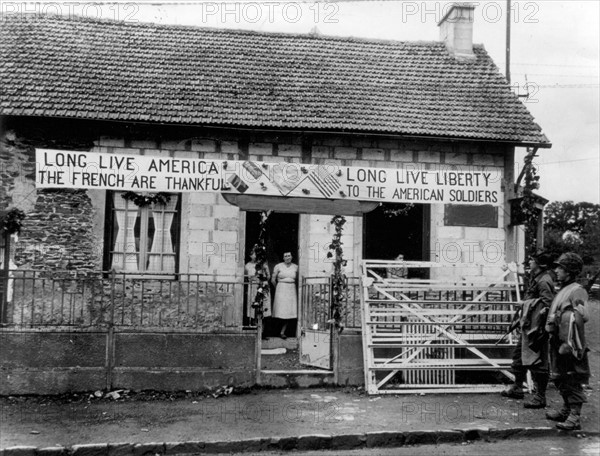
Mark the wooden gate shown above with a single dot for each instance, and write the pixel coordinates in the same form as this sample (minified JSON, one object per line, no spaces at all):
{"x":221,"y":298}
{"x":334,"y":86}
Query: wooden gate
{"x":435,"y":336}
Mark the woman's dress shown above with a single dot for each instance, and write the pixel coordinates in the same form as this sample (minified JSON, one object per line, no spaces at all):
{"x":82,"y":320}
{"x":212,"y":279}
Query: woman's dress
{"x":285,"y":305}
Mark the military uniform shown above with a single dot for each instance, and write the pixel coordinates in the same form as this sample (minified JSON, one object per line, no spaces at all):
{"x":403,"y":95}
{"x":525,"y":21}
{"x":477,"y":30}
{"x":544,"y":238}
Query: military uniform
{"x":569,"y":366}
{"x":531,"y":351}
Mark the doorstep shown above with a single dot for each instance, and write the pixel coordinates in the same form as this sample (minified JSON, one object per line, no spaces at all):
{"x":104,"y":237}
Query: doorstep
{"x":291,"y":343}
{"x":303,"y":378}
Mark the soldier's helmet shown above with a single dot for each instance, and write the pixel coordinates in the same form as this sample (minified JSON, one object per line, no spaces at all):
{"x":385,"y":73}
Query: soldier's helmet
{"x":571,"y":262}
{"x":543,"y":259}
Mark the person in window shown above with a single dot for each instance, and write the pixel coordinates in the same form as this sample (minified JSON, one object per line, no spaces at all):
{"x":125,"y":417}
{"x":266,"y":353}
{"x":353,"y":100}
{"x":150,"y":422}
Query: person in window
{"x":569,"y":367}
{"x":253,"y":282}
{"x":400,"y":272}
{"x":285,"y":304}
{"x":531,"y":351}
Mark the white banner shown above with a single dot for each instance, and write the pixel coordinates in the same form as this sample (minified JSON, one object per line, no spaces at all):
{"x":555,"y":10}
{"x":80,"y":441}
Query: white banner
{"x":411,"y":183}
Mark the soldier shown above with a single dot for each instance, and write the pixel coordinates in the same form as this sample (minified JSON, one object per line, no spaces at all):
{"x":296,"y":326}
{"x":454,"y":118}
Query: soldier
{"x":531,"y":352}
{"x":568,"y":351}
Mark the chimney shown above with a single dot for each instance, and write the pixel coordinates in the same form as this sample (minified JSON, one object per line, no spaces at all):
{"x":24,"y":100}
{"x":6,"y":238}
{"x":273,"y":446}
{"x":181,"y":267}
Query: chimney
{"x":456,"y":30}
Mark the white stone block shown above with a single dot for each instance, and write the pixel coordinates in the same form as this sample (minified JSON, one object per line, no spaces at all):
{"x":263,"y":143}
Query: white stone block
{"x":200,"y":218}
{"x":203,"y":145}
{"x":143,"y":144}
{"x":203,"y":198}
{"x":345,"y":153}
{"x":229,"y":147}
{"x":289,"y":150}
{"x":401,"y":155}
{"x":373,"y":154}
{"x":225,"y":210}
{"x":260,"y":149}
{"x":214,"y":156}
{"x":322,"y":152}
{"x":227,"y":224}
{"x":426,"y":156}
{"x":185,"y":154}
{"x":475,"y":233}
{"x":496,"y":234}
{"x":483,"y":159}
{"x":173,"y":144}
{"x":108,"y":141}
{"x":450,"y":232}
{"x":453,"y":158}
{"x":225,"y":237}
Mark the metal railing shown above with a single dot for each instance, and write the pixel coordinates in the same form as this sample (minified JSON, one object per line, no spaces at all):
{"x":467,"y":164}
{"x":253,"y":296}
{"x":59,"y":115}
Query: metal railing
{"x":92,"y":299}
{"x":316,"y":302}
{"x":187,"y":301}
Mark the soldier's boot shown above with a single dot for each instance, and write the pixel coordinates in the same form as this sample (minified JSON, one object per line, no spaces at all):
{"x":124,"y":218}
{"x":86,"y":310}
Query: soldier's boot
{"x":573,"y":421}
{"x":559,"y":415}
{"x":516,"y":389}
{"x":539,"y":399}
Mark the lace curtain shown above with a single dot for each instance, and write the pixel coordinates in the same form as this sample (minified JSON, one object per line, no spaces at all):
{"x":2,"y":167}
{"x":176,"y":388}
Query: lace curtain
{"x":125,"y":256}
{"x":161,"y":257}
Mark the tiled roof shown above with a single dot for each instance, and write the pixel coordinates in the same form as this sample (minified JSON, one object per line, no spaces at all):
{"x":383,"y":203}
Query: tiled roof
{"x":95,"y":69}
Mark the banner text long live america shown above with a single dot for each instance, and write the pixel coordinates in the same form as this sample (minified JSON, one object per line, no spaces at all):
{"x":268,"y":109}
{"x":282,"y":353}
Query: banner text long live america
{"x":409,"y":183}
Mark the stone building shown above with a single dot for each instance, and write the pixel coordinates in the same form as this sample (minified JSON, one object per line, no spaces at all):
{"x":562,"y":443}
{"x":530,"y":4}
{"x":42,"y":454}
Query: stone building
{"x":174,"y":93}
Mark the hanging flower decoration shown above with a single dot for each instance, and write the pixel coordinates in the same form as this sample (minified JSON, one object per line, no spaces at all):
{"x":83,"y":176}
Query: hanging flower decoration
{"x":529,"y":213}
{"x":11,"y":221}
{"x":260,"y":250}
{"x":146,"y":199}
{"x":395,"y":210}
{"x":339,"y":281}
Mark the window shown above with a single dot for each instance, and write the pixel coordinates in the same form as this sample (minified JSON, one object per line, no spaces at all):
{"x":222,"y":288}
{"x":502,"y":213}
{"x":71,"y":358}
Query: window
{"x":143,"y":239}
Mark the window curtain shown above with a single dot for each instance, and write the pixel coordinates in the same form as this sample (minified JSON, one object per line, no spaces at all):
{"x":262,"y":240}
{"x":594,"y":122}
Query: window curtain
{"x":125,"y":254}
{"x":161,"y":255}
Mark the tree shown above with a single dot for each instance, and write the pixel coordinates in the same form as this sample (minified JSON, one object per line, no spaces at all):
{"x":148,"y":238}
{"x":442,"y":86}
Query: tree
{"x":573,"y":227}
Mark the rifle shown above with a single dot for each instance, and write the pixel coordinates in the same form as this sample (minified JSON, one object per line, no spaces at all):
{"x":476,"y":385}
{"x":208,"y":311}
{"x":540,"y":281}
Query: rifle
{"x":514,"y":324}
{"x":591,"y":282}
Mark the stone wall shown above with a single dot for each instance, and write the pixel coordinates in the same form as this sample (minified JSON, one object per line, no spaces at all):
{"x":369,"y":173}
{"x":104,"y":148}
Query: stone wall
{"x":56,"y":233}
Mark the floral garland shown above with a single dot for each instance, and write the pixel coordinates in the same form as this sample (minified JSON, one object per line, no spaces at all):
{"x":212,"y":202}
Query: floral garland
{"x":11,"y":221}
{"x":260,"y":250}
{"x":339,"y":279}
{"x":529,"y":212}
{"x":397,"y":209}
{"x":146,"y":199}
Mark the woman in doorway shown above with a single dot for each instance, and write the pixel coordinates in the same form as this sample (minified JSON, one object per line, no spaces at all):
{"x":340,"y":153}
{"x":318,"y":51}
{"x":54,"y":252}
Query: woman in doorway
{"x":286,"y":302}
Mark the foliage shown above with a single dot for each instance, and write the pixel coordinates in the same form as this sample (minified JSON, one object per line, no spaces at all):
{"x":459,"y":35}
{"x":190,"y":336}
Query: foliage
{"x":11,"y":221}
{"x":339,"y":280}
{"x":260,"y":249}
{"x":394,"y":210}
{"x":146,"y":199}
{"x":573,"y":227}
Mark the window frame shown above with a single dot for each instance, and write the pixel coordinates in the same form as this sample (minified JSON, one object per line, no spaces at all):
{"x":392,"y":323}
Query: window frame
{"x":110,"y":236}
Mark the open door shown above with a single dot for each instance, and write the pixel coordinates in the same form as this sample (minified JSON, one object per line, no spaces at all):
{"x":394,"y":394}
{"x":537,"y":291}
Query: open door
{"x":315,"y":331}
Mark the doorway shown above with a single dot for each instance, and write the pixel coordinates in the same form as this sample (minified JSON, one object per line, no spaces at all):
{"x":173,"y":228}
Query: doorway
{"x":394,"y":229}
{"x":281,"y":236}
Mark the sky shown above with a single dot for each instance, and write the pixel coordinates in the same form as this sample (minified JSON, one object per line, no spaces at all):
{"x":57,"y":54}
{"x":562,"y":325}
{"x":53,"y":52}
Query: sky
{"x":554,"y":56}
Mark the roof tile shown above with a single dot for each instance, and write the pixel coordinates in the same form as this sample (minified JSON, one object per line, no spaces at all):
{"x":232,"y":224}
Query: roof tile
{"x":95,"y":69}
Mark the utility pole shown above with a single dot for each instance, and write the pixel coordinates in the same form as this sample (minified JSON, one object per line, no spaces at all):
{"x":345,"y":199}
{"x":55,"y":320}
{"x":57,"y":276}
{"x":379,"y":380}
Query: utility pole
{"x":508,"y":6}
